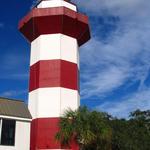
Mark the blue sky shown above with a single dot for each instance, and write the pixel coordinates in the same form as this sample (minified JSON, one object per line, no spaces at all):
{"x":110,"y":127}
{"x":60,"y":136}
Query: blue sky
{"x":114,"y":64}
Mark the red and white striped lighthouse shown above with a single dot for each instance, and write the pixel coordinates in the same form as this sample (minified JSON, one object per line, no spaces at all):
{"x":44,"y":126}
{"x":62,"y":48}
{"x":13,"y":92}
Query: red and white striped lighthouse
{"x":55,"y":30}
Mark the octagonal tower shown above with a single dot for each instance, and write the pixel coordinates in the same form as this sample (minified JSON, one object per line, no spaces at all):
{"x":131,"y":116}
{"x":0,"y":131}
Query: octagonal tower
{"x":55,"y":30}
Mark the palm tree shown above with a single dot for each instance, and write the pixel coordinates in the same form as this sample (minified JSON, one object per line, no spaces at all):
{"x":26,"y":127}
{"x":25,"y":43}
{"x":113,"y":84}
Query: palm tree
{"x":88,"y":128}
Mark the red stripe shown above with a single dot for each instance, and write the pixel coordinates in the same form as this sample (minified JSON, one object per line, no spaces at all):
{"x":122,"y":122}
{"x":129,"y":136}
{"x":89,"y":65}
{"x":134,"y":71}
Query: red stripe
{"x":55,"y":20}
{"x":54,"y":73}
{"x":43,"y":133}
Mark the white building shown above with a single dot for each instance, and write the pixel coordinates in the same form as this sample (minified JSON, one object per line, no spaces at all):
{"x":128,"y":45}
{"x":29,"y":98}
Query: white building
{"x":15,"y":121}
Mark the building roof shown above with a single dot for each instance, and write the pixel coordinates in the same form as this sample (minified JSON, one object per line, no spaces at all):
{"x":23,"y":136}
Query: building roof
{"x":14,"y":108}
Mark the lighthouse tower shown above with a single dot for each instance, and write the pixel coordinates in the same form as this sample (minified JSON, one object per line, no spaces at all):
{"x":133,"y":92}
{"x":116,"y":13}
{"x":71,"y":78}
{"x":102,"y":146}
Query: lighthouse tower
{"x":55,"y":30}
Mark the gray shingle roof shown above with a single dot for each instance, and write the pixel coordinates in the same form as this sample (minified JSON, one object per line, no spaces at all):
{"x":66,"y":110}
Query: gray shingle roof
{"x":14,"y":108}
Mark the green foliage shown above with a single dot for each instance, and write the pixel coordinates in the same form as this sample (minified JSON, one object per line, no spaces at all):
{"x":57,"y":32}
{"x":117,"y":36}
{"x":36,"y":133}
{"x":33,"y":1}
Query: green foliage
{"x":99,"y":131}
{"x":88,"y":128}
{"x":132,"y":134}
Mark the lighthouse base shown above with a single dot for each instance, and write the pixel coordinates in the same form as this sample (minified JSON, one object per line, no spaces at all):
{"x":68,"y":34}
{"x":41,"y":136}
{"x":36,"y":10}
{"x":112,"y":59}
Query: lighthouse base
{"x":43,"y":131}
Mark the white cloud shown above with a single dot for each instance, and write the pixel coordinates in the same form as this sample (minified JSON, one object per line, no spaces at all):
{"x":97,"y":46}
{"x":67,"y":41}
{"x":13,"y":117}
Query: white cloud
{"x":109,"y":65}
{"x":11,"y":93}
{"x":1,"y":25}
{"x":12,"y":66}
{"x":122,"y":108}
{"x":124,"y":56}
{"x":12,"y":60}
{"x":119,"y":8}
{"x":100,"y":83}
{"x":19,"y":76}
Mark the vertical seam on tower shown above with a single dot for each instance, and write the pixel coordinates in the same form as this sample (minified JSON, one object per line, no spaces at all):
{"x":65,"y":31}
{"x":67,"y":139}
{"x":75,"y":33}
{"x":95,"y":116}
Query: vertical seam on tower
{"x":78,"y":61}
{"x":61,"y":67}
{"x":60,"y":74}
{"x":35,"y":73}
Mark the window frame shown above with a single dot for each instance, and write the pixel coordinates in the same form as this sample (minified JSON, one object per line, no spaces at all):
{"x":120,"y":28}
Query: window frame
{"x":1,"y":128}
{"x":1,"y":121}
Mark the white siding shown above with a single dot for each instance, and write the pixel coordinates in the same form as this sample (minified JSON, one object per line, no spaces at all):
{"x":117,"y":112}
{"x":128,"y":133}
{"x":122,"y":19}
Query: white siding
{"x":22,"y":135}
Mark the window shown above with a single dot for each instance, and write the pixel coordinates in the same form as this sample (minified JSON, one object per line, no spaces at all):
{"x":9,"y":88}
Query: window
{"x":7,"y":132}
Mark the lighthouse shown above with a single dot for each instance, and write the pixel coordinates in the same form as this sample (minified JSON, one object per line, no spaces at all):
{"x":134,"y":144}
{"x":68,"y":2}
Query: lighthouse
{"x":55,"y":30}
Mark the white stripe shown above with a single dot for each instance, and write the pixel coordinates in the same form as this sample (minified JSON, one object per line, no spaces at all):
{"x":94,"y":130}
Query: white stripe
{"x":54,"y":46}
{"x":51,"y":102}
{"x":56,"y":3}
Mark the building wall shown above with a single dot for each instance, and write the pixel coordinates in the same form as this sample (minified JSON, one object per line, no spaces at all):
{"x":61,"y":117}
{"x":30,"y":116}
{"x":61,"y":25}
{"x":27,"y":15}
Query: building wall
{"x":22,"y":137}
